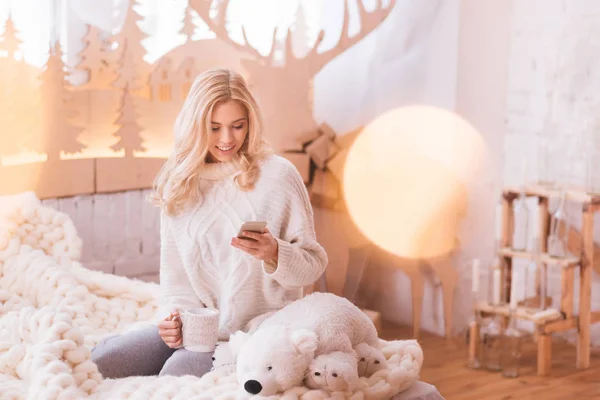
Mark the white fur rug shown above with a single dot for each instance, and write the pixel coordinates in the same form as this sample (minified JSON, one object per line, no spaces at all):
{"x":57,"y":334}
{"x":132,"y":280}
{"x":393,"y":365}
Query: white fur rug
{"x":53,"y":311}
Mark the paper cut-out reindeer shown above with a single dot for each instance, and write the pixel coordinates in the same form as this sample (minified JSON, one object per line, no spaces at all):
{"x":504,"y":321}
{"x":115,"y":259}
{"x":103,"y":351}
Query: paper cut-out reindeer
{"x":285,"y":91}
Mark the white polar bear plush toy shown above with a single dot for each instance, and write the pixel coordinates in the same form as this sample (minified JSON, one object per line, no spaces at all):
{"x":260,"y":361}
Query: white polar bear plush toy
{"x":224,"y":358}
{"x":225,"y":355}
{"x":277,"y":355}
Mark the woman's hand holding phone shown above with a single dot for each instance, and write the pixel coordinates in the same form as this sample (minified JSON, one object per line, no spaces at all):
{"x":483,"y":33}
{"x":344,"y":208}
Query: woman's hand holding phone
{"x":261,"y":246}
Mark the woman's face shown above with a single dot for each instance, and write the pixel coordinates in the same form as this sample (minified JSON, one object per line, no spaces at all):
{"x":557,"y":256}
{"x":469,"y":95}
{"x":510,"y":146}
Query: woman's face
{"x":229,"y":127}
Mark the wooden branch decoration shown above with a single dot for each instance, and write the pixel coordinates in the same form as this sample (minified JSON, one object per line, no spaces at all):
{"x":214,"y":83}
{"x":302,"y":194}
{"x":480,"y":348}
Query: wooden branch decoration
{"x":368,"y":22}
{"x":297,"y":72}
{"x":217,"y":25}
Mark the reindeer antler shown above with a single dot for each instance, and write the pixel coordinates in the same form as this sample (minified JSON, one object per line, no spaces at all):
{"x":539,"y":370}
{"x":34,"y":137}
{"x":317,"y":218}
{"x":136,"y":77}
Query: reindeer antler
{"x":217,"y":25}
{"x":369,"y":21}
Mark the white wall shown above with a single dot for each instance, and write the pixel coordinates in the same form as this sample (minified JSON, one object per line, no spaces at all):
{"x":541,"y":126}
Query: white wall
{"x":410,"y":58}
{"x":120,"y":231}
{"x":553,"y":93}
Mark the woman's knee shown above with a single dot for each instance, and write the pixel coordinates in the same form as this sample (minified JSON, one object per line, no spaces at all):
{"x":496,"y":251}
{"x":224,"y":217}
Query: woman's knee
{"x":185,"y":362}
{"x":136,"y":353}
{"x":103,"y":352}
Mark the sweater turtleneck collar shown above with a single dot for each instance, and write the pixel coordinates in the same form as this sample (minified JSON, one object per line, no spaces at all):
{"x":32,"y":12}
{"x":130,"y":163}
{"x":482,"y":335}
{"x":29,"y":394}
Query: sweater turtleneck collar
{"x":219,"y":170}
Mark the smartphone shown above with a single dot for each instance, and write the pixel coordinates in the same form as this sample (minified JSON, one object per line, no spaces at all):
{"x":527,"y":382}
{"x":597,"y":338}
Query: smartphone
{"x":252,"y":226}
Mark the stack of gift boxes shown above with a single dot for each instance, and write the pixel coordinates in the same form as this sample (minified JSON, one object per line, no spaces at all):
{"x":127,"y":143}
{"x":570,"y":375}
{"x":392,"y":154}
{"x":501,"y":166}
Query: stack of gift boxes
{"x":321,"y":164}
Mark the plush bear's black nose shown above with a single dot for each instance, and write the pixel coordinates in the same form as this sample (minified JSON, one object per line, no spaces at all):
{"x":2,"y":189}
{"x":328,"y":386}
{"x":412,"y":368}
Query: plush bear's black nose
{"x":253,"y":387}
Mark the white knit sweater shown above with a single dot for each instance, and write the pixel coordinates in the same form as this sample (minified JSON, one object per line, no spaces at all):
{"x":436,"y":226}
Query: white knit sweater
{"x":200,"y":268}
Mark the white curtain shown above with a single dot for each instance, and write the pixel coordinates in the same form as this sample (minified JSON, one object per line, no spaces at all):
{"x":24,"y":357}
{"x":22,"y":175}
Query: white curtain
{"x":411,"y":58}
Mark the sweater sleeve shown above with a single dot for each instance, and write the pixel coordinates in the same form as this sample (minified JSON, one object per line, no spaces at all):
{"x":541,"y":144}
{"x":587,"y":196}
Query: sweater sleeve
{"x":301,"y":259}
{"x":176,"y":291}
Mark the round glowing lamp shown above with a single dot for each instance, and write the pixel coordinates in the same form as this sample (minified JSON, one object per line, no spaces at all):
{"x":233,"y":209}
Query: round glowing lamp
{"x":406,"y":177}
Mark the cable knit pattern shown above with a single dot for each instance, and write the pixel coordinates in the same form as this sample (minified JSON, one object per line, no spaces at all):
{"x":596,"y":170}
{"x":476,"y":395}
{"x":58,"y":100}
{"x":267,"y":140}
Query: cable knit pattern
{"x":200,"y":268}
{"x":53,"y":311}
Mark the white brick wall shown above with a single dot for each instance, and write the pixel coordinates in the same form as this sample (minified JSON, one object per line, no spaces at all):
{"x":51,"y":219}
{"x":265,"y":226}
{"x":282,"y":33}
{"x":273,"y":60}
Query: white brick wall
{"x":120,"y":231}
{"x":553,"y":102}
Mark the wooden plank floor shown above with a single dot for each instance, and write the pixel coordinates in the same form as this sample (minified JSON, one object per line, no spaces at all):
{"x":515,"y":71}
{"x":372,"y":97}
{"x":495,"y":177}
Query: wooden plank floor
{"x":445,"y":367}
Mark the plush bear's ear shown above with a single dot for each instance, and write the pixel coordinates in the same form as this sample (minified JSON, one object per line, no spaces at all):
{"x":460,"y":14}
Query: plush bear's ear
{"x":304,"y":341}
{"x":237,"y":341}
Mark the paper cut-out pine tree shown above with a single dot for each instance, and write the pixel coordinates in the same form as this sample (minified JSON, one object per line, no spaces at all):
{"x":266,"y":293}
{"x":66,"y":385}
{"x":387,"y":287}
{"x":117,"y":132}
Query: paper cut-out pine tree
{"x":96,"y":59}
{"x":19,"y":101}
{"x":127,"y":71}
{"x":129,"y":130}
{"x":14,"y":96}
{"x":300,"y":32}
{"x":133,"y":70}
{"x":10,"y":41}
{"x":9,"y":44}
{"x":189,"y":27}
{"x":57,"y":132}
{"x":8,"y":137}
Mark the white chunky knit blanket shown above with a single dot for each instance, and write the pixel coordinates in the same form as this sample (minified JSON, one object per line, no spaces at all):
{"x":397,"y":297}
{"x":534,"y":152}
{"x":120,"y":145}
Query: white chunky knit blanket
{"x":53,"y":311}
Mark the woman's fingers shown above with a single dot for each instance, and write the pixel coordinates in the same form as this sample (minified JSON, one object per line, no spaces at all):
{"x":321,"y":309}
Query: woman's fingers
{"x":250,"y":250}
{"x":262,"y":247}
{"x":170,"y":332}
{"x":172,"y":337}
{"x":175,"y":324}
{"x":253,"y":235}
{"x":173,"y":343}
{"x":245,"y":245}
{"x":251,"y":244}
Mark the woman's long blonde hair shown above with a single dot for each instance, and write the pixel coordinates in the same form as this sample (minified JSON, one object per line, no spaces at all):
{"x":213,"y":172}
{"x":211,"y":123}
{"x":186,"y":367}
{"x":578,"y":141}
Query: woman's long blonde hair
{"x":177,"y":183}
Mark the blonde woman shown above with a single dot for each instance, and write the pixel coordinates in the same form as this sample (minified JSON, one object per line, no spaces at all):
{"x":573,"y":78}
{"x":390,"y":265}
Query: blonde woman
{"x":220,"y":174}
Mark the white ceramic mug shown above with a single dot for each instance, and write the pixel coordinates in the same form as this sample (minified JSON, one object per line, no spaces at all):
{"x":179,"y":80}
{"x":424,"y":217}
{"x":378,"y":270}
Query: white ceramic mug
{"x":200,"y":329}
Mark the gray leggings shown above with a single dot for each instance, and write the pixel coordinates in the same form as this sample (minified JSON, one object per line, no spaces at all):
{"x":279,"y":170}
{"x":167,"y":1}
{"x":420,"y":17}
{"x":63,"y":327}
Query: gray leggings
{"x":143,"y":353}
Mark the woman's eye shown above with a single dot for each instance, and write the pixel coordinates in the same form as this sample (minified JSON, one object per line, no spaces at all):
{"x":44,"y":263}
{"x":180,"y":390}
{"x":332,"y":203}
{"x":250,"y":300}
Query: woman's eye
{"x":362,"y":359}
{"x":239,"y":127}
{"x":376,"y":361}
{"x":317,"y":374}
{"x":269,"y":368}
{"x":334,"y":375}
{"x":215,"y":129}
